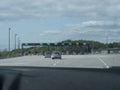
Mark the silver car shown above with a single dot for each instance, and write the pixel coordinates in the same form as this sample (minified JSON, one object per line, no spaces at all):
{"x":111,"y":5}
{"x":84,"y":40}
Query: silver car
{"x":56,"y":55}
{"x":47,"y":55}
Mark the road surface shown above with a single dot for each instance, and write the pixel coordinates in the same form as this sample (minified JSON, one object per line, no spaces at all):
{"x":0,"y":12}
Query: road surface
{"x":84,"y":61}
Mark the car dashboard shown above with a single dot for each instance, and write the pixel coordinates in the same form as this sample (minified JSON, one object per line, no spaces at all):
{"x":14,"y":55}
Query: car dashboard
{"x":51,"y":78}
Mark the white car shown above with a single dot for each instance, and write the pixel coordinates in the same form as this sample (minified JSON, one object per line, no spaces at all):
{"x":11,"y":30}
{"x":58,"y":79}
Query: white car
{"x":56,"y":55}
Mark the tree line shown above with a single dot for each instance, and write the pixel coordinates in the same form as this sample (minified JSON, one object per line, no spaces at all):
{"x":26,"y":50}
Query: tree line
{"x":93,"y":45}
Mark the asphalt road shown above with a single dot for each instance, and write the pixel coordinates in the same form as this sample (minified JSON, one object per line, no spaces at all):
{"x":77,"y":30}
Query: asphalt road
{"x":85,"y":61}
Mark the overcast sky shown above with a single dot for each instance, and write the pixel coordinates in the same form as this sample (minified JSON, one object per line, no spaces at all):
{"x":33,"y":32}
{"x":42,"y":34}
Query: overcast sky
{"x":57,"y":20}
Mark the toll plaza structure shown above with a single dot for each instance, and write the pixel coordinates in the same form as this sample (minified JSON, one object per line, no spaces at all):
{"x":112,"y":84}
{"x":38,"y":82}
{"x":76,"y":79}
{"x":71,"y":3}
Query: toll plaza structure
{"x":62,"y":45}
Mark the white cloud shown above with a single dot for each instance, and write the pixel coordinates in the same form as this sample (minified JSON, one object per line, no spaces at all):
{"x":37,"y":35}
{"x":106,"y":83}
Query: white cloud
{"x":96,"y":24}
{"x":21,"y":9}
{"x":91,"y":30}
{"x":52,"y":32}
{"x":103,"y":16}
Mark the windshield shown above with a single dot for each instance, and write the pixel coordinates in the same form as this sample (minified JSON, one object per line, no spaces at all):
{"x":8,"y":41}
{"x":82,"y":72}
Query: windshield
{"x":86,"y":33}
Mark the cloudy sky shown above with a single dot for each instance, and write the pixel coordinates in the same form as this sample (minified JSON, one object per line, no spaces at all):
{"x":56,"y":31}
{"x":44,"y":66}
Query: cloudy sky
{"x":57,"y":20}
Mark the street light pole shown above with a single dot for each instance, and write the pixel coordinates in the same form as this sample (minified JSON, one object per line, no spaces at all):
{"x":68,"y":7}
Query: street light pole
{"x":9,"y":39}
{"x":93,"y":47}
{"x":107,"y":42}
{"x":15,"y":40}
{"x":18,"y":43}
{"x":107,"y":39}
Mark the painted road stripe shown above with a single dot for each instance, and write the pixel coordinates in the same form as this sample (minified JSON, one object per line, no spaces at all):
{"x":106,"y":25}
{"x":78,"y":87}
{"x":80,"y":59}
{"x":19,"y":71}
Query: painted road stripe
{"x":56,"y":63}
{"x":107,"y":66}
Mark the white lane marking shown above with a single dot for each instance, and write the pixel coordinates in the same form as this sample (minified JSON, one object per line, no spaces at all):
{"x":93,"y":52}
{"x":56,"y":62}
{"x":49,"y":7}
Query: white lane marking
{"x":56,"y":63}
{"x":107,"y":66}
